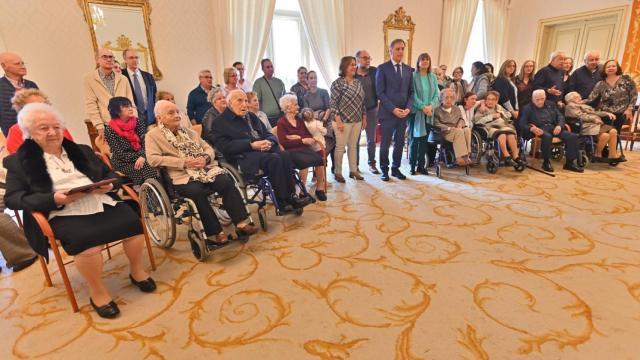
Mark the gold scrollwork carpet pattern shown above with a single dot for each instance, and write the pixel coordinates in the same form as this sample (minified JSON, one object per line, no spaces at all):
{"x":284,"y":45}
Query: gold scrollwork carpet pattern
{"x":506,"y":266}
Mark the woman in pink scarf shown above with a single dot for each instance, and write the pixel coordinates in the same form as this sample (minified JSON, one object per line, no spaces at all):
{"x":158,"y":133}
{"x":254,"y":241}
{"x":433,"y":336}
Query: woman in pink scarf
{"x":125,"y":136}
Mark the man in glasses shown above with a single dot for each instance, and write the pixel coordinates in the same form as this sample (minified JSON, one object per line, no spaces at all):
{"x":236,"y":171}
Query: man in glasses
{"x":12,"y":81}
{"x":197,"y":104}
{"x":100,"y":85}
{"x":143,"y":85}
{"x":367,"y":76}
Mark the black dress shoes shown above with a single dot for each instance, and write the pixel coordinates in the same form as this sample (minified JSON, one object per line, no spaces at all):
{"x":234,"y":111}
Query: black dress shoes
{"x":396,"y":173}
{"x":385,"y":175}
{"x":300,"y":202}
{"x":573,"y":167}
{"x":423,"y":170}
{"x":546,"y":166}
{"x":145,"y":285}
{"x":321,"y":195}
{"x":25,"y":264}
{"x":374,"y":170}
{"x":413,"y":171}
{"x":108,"y":311}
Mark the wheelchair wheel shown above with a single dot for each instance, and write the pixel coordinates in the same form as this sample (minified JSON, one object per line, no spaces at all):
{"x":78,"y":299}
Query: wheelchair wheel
{"x":438,"y":171}
{"x":262,"y":216}
{"x":157,"y":212}
{"x":519,"y":167}
{"x":492,"y":167}
{"x":466,"y":169}
{"x":556,"y":153}
{"x":583,"y":159}
{"x":198,"y":246}
{"x":476,"y":147}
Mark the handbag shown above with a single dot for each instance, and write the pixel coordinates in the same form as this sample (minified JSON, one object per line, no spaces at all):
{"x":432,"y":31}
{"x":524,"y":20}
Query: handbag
{"x":274,"y":97}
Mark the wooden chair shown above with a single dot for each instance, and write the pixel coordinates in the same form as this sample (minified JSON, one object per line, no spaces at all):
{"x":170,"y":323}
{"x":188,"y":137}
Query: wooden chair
{"x":536,"y":140}
{"x":53,"y":244}
{"x":630,"y":132}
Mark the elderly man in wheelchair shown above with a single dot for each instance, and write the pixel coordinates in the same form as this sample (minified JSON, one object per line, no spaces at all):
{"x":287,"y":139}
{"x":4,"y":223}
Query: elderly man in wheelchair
{"x":245,"y":142}
{"x":194,"y":173}
{"x":542,"y":118}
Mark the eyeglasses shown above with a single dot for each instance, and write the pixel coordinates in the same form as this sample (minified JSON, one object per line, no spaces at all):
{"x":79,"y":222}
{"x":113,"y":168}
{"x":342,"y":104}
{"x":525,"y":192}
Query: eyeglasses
{"x":107,"y":57}
{"x":207,"y":77}
{"x":366,"y":58}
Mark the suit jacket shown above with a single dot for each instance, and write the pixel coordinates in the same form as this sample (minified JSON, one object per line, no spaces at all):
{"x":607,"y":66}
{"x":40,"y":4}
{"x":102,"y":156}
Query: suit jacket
{"x":507,"y":92}
{"x":30,"y":188}
{"x":96,"y":97}
{"x":393,"y":91}
{"x":152,"y":89}
{"x":161,"y":153}
{"x":7,"y":113}
{"x":232,"y":136}
{"x":546,"y":118}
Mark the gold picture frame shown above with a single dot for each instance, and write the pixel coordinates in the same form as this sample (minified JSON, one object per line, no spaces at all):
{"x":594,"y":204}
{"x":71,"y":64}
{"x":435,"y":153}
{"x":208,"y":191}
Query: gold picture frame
{"x":398,"y":26}
{"x":99,"y":14}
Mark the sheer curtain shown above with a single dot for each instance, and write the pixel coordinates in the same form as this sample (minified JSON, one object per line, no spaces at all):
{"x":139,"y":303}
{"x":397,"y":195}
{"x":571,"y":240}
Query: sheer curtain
{"x":324,"y":23}
{"x":242,"y":34}
{"x":457,"y":21}
{"x":496,"y":16}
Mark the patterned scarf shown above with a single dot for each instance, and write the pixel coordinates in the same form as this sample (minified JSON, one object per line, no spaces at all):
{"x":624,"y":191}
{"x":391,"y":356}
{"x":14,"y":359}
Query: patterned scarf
{"x":189,"y":149}
{"x":127,"y":130}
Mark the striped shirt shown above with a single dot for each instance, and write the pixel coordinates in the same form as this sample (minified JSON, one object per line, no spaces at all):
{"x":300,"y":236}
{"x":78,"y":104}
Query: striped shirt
{"x":109,"y":80}
{"x":347,"y":100}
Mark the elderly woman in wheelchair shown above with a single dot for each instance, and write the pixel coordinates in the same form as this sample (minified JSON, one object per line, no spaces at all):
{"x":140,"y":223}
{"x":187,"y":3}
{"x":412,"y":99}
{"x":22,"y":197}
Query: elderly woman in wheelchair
{"x":496,"y":123}
{"x":195,"y":174}
{"x":40,"y":179}
{"x":450,"y":122}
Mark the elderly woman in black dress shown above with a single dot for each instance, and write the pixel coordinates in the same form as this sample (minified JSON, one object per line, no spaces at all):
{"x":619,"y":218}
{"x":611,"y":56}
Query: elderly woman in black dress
{"x":39,"y":177}
{"x":125,"y":136}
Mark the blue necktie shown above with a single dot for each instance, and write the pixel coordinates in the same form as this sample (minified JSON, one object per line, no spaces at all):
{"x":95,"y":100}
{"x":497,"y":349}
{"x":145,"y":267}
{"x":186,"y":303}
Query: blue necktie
{"x":139,"y":97}
{"x":398,"y":71}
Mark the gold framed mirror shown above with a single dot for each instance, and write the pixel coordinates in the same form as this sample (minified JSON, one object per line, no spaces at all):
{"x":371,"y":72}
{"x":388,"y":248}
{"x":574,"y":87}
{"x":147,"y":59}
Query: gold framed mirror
{"x":121,"y":24}
{"x":399,"y":26}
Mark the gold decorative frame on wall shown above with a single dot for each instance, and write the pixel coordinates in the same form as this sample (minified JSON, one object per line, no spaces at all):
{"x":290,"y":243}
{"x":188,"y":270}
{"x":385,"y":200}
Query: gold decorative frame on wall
{"x":399,"y":23}
{"x":145,"y":8}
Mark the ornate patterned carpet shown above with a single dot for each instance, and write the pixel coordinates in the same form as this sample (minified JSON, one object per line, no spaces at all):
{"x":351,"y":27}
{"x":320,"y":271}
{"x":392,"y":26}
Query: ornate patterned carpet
{"x":506,"y":266}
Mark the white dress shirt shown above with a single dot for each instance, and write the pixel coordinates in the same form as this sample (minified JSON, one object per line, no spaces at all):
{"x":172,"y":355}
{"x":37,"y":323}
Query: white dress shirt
{"x":247,"y":86}
{"x":65,"y":176}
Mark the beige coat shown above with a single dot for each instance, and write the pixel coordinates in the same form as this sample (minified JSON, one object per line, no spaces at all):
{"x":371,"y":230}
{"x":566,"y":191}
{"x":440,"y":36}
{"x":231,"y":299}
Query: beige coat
{"x":97,"y":96}
{"x":591,"y":119}
{"x":161,"y":153}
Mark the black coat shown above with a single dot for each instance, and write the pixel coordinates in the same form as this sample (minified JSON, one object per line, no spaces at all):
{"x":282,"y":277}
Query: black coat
{"x":152,"y":89}
{"x":7,"y":113}
{"x":506,"y":91}
{"x":231,"y":135}
{"x":30,"y":188}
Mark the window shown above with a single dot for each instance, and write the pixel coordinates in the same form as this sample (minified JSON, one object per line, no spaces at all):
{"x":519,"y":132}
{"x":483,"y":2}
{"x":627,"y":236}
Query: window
{"x":475,"y":47}
{"x":288,"y":46}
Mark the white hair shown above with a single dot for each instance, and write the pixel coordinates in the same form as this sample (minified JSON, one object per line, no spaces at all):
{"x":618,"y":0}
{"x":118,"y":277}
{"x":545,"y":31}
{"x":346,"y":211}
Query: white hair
{"x":212,"y":93}
{"x":445,"y":91}
{"x":234,"y":93}
{"x":591,"y":52}
{"x":569,"y":96}
{"x":536,"y":92}
{"x":555,"y":54}
{"x":160,"y":105}
{"x":29,"y":113}
{"x":286,"y":100}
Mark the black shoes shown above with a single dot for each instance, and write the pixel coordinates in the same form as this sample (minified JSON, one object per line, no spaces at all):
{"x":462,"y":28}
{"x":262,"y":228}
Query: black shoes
{"x":321,"y":195}
{"x":246,"y":231}
{"x":25,"y":264}
{"x":298,"y":202}
{"x":413,"y":171}
{"x":108,"y":311}
{"x":385,"y":175}
{"x":546,"y":166}
{"x":422,"y":170}
{"x":145,"y":285}
{"x":395,"y":172}
{"x":573,"y":167}
{"x":373,"y":169}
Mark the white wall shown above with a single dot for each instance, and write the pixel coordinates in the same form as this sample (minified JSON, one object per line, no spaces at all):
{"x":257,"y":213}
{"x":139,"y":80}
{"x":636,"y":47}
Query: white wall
{"x":364,"y":26}
{"x":53,"y":39}
{"x":525,"y":15}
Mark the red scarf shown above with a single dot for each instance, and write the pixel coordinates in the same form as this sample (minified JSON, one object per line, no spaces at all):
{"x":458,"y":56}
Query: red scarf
{"x":127,"y":130}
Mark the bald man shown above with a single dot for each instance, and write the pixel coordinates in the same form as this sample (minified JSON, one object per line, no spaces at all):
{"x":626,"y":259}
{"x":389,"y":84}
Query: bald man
{"x":12,"y":81}
{"x":100,"y":85}
{"x":245,"y":141}
{"x":585,"y":78}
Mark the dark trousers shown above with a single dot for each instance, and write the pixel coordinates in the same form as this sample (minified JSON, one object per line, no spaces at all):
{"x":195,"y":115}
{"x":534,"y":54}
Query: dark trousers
{"x":279,"y":169}
{"x":570,"y":144}
{"x":391,"y":129}
{"x":418,"y":151}
{"x":232,"y":201}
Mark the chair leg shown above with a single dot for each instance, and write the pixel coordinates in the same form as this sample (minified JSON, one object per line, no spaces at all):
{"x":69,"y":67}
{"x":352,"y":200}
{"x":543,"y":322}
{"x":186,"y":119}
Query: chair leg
{"x":45,"y":270}
{"x":152,"y":260}
{"x":108,"y":251}
{"x":63,"y":274}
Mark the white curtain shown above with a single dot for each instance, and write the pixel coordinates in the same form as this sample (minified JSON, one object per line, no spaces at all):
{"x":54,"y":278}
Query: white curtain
{"x":457,"y":21}
{"x":495,"y":24}
{"x":242,"y":32}
{"x":324,"y":25}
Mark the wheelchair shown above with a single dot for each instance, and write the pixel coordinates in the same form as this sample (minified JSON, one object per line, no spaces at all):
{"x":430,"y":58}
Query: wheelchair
{"x":163,"y":208}
{"x":587,"y":144}
{"x":444,"y":153}
{"x":481,"y":147}
{"x":257,"y":190}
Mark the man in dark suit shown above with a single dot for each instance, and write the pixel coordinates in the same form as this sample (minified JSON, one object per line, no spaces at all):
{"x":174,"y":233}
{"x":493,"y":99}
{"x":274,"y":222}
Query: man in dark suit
{"x":244,"y":140}
{"x":366,"y":74}
{"x":143,"y":85}
{"x":393,"y":86}
{"x":12,"y":81}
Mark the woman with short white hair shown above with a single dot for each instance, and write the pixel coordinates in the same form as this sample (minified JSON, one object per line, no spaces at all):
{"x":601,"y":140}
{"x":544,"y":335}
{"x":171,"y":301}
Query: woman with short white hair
{"x":39,"y":177}
{"x":219,"y":102}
